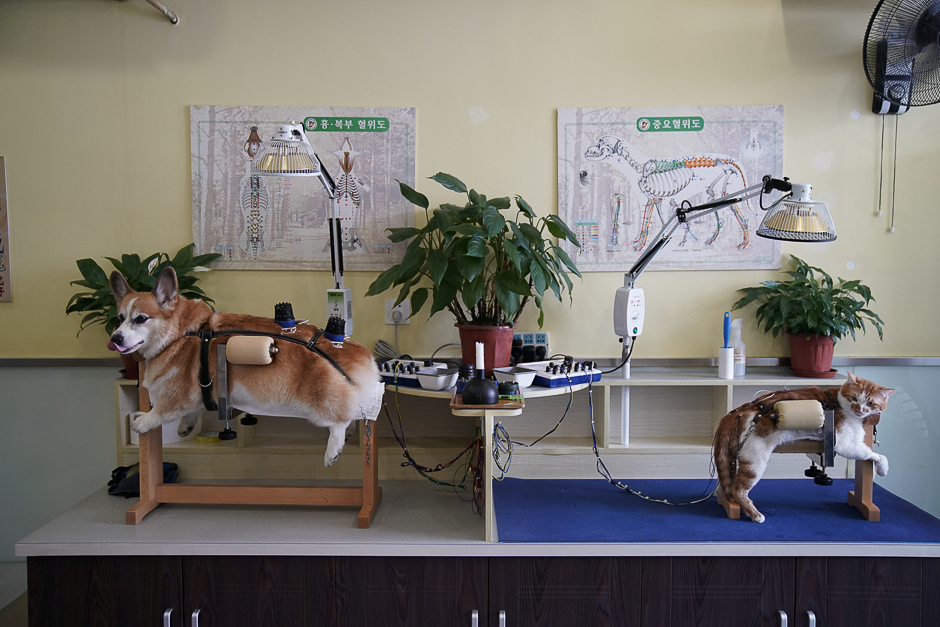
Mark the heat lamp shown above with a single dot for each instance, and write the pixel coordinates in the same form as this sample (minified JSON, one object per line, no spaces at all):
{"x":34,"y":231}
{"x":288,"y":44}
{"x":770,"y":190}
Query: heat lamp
{"x":289,"y":153}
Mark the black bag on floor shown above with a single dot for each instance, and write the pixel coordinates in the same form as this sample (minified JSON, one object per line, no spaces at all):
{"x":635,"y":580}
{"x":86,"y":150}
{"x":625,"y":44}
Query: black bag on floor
{"x":125,"y":480}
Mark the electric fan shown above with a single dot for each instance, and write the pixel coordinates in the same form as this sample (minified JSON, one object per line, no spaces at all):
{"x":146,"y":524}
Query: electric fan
{"x":902,"y":54}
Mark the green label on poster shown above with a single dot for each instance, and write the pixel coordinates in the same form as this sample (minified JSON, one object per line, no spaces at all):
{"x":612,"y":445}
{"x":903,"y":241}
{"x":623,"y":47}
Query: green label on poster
{"x":670,"y":123}
{"x":349,"y":125}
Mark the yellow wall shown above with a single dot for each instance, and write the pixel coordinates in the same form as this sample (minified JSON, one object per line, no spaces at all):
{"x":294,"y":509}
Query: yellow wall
{"x":94,"y":125}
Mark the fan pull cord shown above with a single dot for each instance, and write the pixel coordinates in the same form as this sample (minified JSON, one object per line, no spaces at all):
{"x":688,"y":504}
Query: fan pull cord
{"x":881,"y":177}
{"x":894,"y":176}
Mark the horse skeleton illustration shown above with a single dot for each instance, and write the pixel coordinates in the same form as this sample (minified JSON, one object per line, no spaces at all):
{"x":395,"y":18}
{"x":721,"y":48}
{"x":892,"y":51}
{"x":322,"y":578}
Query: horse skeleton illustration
{"x":675,"y":179}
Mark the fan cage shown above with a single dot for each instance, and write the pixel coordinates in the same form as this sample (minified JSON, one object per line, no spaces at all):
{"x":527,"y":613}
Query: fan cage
{"x":901,"y":52}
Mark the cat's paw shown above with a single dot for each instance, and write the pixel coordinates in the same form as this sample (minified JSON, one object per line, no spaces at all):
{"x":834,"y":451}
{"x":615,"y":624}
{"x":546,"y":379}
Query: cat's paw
{"x":881,"y":465}
{"x":758,"y":519}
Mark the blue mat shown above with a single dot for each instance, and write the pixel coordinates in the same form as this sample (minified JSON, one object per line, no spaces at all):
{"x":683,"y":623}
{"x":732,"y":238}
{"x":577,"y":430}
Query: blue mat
{"x":796,"y":510}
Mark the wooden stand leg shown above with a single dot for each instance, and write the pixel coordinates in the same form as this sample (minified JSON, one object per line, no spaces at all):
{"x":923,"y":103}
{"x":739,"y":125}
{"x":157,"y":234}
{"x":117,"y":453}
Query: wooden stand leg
{"x":861,"y":497}
{"x":731,"y":508}
{"x":153,"y":492}
{"x":371,"y":490}
{"x":151,"y":463}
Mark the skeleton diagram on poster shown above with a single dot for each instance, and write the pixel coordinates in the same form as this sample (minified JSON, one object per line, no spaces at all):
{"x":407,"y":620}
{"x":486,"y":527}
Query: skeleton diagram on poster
{"x":622,"y":173}
{"x":271,"y":222}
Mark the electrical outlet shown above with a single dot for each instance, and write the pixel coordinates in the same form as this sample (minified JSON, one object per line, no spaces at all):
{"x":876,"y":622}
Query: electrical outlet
{"x":397,"y":315}
{"x":528,"y":339}
{"x":541,"y":339}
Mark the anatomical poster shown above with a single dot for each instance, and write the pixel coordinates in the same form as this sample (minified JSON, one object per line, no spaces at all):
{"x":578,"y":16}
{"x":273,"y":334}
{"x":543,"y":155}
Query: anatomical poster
{"x":6,"y":295}
{"x":263,"y":222}
{"x":622,"y":172}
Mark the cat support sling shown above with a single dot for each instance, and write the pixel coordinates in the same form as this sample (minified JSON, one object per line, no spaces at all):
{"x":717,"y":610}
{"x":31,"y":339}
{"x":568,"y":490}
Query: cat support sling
{"x":795,"y":415}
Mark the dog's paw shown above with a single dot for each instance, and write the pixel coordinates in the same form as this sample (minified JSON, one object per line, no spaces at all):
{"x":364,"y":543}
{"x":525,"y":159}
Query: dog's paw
{"x":881,"y":465}
{"x":184,"y":429}
{"x":758,"y":519}
{"x":329,"y":461}
{"x":143,"y":421}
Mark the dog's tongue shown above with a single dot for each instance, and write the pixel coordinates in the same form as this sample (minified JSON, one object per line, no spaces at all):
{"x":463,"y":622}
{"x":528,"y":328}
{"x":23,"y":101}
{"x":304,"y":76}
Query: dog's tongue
{"x":112,"y":346}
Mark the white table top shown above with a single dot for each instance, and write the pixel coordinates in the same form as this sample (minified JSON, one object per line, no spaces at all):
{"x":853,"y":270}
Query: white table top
{"x":415,"y":518}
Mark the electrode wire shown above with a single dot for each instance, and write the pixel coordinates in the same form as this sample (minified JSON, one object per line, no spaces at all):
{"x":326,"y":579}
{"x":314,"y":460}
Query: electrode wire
{"x":503,"y":444}
{"x":602,"y":467}
{"x":424,"y":471}
{"x":625,"y":359}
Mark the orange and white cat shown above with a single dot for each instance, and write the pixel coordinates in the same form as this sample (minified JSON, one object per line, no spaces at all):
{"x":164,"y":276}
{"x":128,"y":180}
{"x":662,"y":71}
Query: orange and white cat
{"x":743,"y":445}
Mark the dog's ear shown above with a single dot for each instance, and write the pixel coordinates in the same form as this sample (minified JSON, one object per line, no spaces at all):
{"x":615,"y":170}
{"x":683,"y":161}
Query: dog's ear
{"x":119,"y":286}
{"x":166,"y":289}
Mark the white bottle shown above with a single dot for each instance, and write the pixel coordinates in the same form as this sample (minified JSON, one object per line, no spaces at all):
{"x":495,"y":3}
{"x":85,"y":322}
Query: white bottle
{"x":740,"y":351}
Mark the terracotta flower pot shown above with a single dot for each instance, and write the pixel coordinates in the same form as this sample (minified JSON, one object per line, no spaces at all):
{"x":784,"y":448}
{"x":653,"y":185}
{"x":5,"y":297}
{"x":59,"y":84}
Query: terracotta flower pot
{"x":497,"y":345}
{"x":811,"y":357}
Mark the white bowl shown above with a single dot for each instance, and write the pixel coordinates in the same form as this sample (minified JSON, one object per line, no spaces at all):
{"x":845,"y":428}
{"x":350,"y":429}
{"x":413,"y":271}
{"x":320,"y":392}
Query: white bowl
{"x":437,"y":379}
{"x":523,"y":376}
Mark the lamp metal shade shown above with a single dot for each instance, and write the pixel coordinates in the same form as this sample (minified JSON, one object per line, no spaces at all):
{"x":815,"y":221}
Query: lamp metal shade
{"x":798,"y":219}
{"x":288,"y":153}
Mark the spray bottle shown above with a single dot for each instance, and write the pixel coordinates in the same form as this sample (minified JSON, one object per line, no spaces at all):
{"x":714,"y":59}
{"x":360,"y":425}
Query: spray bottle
{"x":740,"y":351}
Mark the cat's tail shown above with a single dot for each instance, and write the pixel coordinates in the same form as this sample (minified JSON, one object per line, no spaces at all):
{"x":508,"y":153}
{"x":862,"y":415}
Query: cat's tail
{"x":725,"y":451}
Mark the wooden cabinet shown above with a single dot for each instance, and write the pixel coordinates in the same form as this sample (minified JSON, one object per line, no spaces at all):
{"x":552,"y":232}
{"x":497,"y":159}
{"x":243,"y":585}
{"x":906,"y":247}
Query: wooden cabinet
{"x":410,"y":591}
{"x":527,"y":591}
{"x":103,"y":591}
{"x":570,"y":591}
{"x":257,"y":591}
{"x":851,"y":591}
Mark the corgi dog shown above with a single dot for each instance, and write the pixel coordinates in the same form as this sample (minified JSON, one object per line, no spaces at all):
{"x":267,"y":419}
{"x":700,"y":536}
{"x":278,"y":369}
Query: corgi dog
{"x":297,"y":383}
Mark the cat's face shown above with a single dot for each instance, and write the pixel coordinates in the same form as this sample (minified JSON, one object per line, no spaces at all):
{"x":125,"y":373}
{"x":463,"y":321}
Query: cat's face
{"x":863,"y":398}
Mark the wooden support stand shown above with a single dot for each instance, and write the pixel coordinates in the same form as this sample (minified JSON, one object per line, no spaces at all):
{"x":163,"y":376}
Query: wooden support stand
{"x":153,"y":491}
{"x":860,"y":498}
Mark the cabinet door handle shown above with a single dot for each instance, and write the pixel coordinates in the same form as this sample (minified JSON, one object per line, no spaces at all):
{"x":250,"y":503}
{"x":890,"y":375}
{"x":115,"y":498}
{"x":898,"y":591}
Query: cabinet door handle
{"x":166,"y":617}
{"x":812,"y":618}
{"x":195,"y":618}
{"x":474,"y":619}
{"x":783,"y":619}
{"x":502,"y":618}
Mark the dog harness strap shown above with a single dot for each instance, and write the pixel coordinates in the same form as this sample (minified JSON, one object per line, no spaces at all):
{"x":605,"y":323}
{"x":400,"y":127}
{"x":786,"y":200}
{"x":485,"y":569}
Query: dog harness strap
{"x":205,"y":381}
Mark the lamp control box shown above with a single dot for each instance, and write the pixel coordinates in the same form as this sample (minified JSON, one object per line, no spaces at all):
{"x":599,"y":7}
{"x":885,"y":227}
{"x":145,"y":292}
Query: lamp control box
{"x":629,"y":311}
{"x":339,"y":303}
{"x":403,"y":372}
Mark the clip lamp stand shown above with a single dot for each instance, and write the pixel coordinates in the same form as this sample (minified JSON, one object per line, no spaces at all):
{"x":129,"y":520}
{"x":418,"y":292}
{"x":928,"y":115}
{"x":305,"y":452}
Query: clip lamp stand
{"x":629,"y":302}
{"x":339,"y":298}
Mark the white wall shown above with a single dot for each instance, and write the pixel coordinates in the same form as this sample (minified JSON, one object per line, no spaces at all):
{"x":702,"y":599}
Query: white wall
{"x":95,"y":131}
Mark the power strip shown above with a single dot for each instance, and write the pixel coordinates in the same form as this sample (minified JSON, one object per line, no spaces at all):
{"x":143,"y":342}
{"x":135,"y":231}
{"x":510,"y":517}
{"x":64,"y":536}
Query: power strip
{"x":529,"y":346}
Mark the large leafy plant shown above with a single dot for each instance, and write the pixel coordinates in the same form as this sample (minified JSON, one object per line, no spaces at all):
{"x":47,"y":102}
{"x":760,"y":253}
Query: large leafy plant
{"x":475,"y":262}
{"x":97,"y":302}
{"x":812,"y":304}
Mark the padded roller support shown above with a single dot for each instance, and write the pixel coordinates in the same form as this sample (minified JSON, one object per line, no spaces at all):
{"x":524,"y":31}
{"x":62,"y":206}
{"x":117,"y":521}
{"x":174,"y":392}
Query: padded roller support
{"x":799,"y":415}
{"x":250,"y":351}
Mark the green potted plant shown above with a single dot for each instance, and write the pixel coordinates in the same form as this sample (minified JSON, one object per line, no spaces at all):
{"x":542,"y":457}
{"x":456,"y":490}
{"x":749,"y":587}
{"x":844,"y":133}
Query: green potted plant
{"x":97,"y":302}
{"x":815,"y":312}
{"x":480,"y":265}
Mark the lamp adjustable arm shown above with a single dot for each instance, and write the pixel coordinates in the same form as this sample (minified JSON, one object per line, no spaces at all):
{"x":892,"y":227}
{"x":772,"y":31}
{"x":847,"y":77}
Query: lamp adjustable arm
{"x":687,"y":214}
{"x":325,"y":179}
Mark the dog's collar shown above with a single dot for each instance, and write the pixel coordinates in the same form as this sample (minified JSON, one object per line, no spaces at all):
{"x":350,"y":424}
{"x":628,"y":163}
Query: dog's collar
{"x":207,"y":335}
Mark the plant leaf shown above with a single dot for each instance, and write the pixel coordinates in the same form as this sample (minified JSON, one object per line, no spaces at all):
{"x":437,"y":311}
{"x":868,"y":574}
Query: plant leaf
{"x":412,"y":196}
{"x":450,"y":182}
